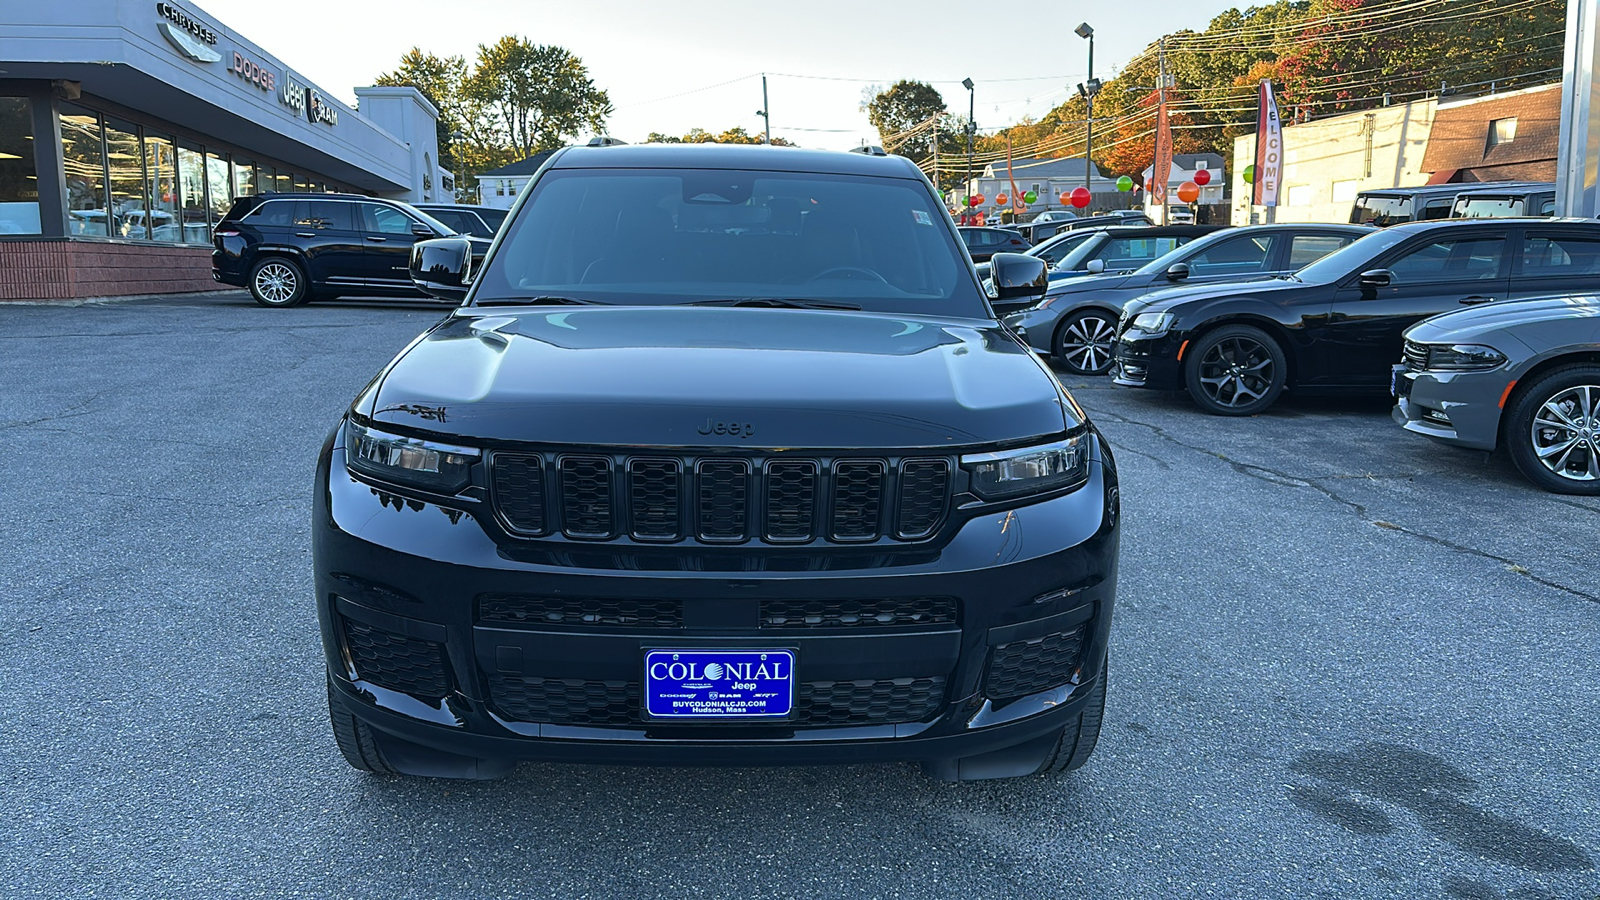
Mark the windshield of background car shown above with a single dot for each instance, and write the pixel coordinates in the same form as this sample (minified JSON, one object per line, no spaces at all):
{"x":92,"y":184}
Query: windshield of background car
{"x":1487,"y":207}
{"x":494,"y":218}
{"x":652,"y":237}
{"x":1350,"y":257}
{"x":1057,"y":248}
{"x":1381,"y":211}
{"x":1120,"y":252}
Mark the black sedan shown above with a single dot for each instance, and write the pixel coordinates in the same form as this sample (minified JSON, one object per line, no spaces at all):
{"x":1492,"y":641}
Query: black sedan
{"x":983,"y":242}
{"x":1076,"y":323}
{"x":1335,"y":326}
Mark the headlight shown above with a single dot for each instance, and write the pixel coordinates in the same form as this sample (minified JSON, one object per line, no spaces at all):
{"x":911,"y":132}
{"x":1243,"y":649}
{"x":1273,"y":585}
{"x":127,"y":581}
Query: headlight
{"x":1153,"y":323}
{"x":425,"y":464}
{"x":1463,"y":357}
{"x":1029,"y":470}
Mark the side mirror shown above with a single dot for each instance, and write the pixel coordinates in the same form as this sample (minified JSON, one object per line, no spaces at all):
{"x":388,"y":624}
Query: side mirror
{"x":1178,"y":272}
{"x":1376,"y":278}
{"x":1019,"y":281}
{"x":1095,"y":266}
{"x":420,"y":230}
{"x":442,"y":267}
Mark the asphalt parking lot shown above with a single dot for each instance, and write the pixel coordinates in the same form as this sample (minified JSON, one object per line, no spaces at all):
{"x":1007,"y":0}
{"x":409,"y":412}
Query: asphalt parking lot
{"x":1347,"y":663}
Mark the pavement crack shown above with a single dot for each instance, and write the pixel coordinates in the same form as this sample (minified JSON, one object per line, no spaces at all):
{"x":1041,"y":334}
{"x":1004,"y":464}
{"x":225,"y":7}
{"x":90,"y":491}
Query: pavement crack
{"x":1124,"y":448}
{"x":1273,"y":476}
{"x":72,"y":412}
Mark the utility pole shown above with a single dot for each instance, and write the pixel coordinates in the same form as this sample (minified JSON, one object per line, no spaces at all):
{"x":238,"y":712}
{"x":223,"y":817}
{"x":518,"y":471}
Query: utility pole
{"x":765,"y":112}
{"x":1088,"y":89}
{"x":1161,"y":103}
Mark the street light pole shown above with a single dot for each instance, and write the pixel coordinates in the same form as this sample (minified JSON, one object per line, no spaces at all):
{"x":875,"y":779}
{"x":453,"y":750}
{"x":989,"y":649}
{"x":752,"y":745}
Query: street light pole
{"x":1089,"y":89}
{"x":765,"y":111}
{"x":972,"y":130}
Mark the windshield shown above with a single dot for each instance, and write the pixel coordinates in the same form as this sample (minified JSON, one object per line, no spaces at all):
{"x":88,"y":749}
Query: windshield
{"x":1056,"y":249}
{"x":1381,"y":211}
{"x":1120,"y":253}
{"x":1178,"y":254}
{"x":433,"y":223}
{"x":1349,"y":258}
{"x":652,"y":237}
{"x":494,"y":218}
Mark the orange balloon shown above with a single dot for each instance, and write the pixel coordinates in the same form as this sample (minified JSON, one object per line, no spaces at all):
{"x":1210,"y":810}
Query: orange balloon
{"x":1066,"y":198}
{"x":1000,"y":199}
{"x":1188,"y":192}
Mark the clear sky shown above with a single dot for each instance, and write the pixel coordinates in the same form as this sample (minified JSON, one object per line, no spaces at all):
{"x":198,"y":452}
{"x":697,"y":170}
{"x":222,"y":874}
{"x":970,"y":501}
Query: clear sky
{"x":672,"y":65}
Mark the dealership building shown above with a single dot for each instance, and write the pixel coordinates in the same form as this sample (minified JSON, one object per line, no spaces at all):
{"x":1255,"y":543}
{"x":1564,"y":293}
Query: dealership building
{"x":128,"y":128}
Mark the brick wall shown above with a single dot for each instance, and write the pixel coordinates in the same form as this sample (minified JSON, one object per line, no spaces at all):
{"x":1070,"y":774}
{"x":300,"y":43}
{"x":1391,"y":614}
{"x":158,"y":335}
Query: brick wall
{"x":70,"y":270}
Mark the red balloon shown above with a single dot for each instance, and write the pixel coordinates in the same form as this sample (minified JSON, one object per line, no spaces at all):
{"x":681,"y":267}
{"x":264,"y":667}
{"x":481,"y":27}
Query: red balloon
{"x":1081,"y":197}
{"x":1188,"y":192}
{"x":975,"y":200}
{"x":1202,"y":177}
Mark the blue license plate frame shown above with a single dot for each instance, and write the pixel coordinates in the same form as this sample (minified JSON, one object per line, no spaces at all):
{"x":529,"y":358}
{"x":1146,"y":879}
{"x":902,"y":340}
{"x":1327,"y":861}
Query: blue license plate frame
{"x":717,"y":684}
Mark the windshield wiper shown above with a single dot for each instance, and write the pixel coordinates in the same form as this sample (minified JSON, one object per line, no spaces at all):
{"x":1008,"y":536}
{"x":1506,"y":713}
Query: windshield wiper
{"x":537,"y":301}
{"x":778,"y":302}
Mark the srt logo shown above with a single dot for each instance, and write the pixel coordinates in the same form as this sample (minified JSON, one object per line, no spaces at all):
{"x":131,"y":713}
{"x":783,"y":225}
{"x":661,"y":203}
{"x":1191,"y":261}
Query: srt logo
{"x":736,"y":429}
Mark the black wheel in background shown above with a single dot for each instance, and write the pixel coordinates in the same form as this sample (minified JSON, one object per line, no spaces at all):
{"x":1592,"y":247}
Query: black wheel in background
{"x":1236,"y":370}
{"x":1085,"y":341}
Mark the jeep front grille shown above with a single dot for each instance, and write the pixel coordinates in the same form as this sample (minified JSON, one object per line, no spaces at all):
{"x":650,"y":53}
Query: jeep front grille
{"x":722,"y":499}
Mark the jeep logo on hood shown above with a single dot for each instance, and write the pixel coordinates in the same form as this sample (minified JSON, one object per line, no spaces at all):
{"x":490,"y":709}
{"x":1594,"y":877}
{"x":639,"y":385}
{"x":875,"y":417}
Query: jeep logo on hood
{"x":735,"y":429}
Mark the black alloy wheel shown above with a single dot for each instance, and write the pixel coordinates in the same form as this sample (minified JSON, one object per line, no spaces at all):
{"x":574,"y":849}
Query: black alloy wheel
{"x":1553,"y":431}
{"x":1085,"y":342}
{"x":279,"y":283}
{"x":1236,"y":370}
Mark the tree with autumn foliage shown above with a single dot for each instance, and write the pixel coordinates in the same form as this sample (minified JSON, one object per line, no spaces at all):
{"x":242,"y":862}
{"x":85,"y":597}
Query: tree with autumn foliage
{"x":734,"y":135}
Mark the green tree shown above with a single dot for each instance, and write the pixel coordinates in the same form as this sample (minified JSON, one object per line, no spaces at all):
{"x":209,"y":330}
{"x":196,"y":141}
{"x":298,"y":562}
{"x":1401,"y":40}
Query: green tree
{"x":911,"y":118}
{"x":734,"y":135}
{"x":533,"y":96}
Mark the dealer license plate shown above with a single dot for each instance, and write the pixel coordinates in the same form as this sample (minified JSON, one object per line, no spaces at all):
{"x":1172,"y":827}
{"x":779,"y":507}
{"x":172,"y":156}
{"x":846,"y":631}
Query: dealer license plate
{"x":1399,"y":384}
{"x":719,"y":684}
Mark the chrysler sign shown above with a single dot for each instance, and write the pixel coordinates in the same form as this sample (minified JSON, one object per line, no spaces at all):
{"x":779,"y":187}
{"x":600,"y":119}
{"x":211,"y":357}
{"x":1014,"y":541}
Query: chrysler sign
{"x":187,"y":35}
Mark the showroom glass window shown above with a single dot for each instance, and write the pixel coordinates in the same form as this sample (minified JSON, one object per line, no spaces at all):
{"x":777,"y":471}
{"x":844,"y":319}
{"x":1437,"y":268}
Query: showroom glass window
{"x":285,"y":181}
{"x":19,"y":182}
{"x":219,"y":184}
{"x":84,"y":164}
{"x":125,"y":165}
{"x":161,"y":170}
{"x":244,"y":178}
{"x":192,"y":194}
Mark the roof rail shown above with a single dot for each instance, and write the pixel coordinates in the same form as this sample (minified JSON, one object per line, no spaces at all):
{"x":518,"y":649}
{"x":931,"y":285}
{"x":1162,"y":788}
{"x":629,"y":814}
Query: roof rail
{"x":605,"y":142}
{"x":869,"y":149}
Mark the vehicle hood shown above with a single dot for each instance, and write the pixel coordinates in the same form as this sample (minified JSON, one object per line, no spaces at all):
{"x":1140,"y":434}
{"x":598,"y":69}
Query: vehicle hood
{"x":705,"y":376}
{"x":1173,"y":297}
{"x":1086,"y":283}
{"x":1465,"y":325}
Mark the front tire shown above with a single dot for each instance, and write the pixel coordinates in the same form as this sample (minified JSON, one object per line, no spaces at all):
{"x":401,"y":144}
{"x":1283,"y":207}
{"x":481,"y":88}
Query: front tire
{"x":279,"y":283}
{"x":355,"y":739}
{"x":1236,"y":370}
{"x":1078,"y":740}
{"x":1553,"y":432}
{"x":1085,"y":341}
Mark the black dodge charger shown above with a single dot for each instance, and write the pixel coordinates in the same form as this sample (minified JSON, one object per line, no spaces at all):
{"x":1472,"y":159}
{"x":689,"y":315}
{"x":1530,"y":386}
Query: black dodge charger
{"x":724,"y":459}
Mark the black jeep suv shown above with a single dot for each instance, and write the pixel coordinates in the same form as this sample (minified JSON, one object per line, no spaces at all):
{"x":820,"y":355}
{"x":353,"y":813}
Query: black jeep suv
{"x":725,"y":459}
{"x":288,"y":249}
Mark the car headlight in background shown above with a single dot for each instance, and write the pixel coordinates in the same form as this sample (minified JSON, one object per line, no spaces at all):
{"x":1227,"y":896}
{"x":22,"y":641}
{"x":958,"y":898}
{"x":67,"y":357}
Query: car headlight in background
{"x":1463,"y":357}
{"x":405,"y":460}
{"x":1029,"y":470}
{"x":1153,"y":322}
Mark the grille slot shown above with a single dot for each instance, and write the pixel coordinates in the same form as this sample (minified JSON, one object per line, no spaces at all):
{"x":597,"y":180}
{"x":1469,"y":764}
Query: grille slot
{"x":519,"y":492}
{"x":586,"y":496}
{"x":655,"y":489}
{"x":567,"y":701}
{"x":1037,"y":664}
{"x":876,"y":613}
{"x":579,"y":612}
{"x":924,"y":486}
{"x":791,"y":500}
{"x":724,"y":500}
{"x":1416,"y":355}
{"x":399,"y":663}
{"x":857,"y":499}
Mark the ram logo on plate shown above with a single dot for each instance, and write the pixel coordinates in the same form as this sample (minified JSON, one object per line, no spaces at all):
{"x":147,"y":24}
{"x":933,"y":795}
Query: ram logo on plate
{"x":719,"y":684}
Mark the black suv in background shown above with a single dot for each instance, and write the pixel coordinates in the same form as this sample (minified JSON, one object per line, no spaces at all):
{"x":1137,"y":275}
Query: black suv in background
{"x":478,"y":221}
{"x":288,"y":249}
{"x":1506,"y":200}
{"x":724,"y":460}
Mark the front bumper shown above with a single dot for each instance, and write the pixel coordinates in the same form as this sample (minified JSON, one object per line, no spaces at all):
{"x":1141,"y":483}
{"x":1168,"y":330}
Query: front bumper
{"x":1029,"y":580}
{"x":1460,"y":408}
{"x":1148,"y":361}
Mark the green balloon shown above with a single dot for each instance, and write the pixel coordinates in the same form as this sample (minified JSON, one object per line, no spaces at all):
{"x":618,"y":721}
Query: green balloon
{"x":1124,"y":184}
{"x":1249,"y":174}
{"x":1030,"y":197}
{"x":941,"y":195}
